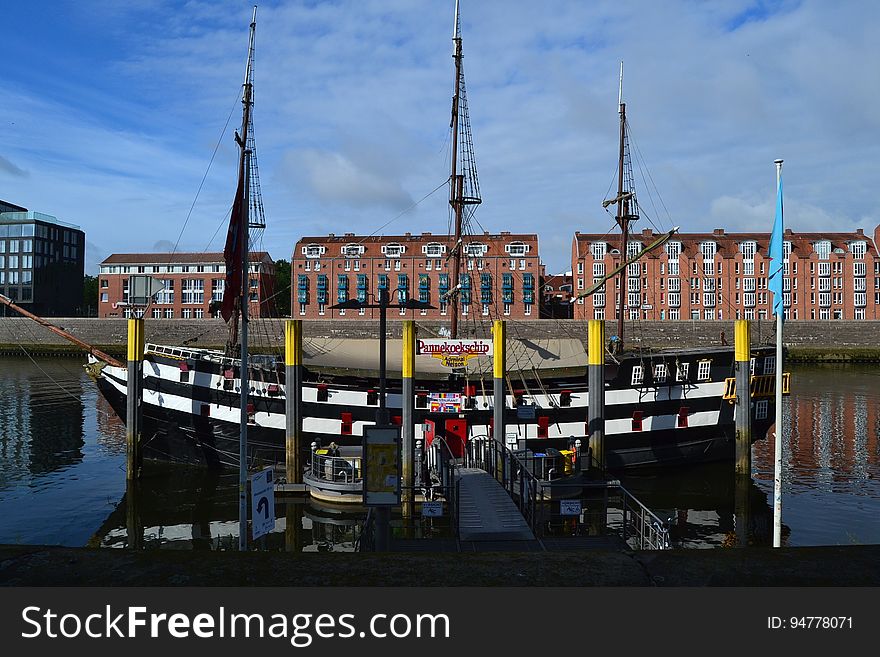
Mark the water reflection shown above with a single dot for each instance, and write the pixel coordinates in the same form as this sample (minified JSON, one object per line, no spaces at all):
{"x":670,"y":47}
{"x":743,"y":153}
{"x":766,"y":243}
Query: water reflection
{"x":41,"y":419}
{"x":184,"y":508}
{"x":62,"y":478}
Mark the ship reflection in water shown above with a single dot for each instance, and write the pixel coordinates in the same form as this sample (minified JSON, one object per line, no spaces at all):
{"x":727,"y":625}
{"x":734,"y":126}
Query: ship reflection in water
{"x":183,"y":508}
{"x":62,"y":477}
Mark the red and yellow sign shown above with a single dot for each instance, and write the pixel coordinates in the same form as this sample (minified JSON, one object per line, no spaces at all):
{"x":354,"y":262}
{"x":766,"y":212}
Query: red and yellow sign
{"x":453,"y":353}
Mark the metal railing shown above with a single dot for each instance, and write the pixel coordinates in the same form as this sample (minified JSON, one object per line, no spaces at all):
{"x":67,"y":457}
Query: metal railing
{"x":338,"y":469}
{"x":515,"y":476}
{"x":640,"y":527}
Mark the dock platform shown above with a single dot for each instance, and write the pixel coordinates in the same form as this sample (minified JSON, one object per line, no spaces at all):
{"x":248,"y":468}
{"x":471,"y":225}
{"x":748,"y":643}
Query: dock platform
{"x":486,"y":512}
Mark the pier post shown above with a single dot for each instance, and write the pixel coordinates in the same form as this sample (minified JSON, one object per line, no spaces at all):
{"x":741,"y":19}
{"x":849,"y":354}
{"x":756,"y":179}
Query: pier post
{"x":408,"y":429}
{"x":134,"y":394}
{"x":293,"y":378}
{"x":596,"y":382}
{"x":743,"y":398}
{"x":499,"y":369}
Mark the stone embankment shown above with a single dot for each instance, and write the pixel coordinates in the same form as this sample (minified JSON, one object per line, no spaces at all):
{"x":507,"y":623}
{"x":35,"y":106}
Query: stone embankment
{"x":821,"y":341}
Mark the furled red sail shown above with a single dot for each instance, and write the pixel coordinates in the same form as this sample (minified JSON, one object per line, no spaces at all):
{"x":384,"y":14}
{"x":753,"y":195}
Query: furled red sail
{"x":235,"y":242}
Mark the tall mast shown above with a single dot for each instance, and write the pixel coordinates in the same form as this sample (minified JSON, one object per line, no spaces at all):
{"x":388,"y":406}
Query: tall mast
{"x":621,"y":220}
{"x":464,"y":187}
{"x":454,"y":185}
{"x":626,"y":206}
{"x":243,"y":201}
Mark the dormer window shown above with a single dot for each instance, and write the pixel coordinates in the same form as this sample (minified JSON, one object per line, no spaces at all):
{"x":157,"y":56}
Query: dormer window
{"x":708,"y":250}
{"x":434,"y":249}
{"x":598,"y":250}
{"x":353,"y":250}
{"x":313,"y":250}
{"x":393,"y":250}
{"x":822,"y":249}
{"x":858,"y":249}
{"x":475,"y":250}
{"x":748,"y":250}
{"x":517,"y":248}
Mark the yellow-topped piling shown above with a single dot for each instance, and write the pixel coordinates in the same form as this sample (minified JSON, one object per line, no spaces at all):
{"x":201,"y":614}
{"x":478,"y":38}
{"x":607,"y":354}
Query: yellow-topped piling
{"x":742,"y":367}
{"x":407,"y":492}
{"x":293,"y":375}
{"x":596,"y":342}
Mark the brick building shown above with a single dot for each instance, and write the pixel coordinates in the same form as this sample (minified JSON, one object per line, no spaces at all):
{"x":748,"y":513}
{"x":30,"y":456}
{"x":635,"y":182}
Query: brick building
{"x":42,"y":262}
{"x":722,"y":275}
{"x":193,"y":282}
{"x":556,"y":294}
{"x":498,"y":276}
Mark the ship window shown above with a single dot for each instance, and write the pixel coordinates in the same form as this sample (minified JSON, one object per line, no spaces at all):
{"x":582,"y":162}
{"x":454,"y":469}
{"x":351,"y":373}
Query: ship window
{"x":638,"y":375}
{"x":704,"y":370}
{"x":681,"y":373}
{"x":761,"y":409}
{"x":770,"y":365}
{"x":660,"y":373}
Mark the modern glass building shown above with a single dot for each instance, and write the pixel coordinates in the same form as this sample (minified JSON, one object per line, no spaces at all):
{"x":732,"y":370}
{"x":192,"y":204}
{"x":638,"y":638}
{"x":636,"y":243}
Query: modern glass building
{"x":42,"y":262}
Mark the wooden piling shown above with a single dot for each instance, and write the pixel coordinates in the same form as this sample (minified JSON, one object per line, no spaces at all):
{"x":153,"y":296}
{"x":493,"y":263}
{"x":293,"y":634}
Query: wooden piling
{"x":293,"y":377}
{"x":742,"y":365}
{"x":407,"y":490}
{"x":596,"y":382}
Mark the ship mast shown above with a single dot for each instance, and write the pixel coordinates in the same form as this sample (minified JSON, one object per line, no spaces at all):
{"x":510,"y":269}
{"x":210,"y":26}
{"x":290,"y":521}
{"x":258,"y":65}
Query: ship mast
{"x":626,"y":204}
{"x":242,"y":199}
{"x":464,"y":187}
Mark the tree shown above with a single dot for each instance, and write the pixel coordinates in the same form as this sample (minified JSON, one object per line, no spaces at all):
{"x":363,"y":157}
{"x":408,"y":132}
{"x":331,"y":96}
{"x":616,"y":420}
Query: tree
{"x":89,"y":307}
{"x":282,"y":288}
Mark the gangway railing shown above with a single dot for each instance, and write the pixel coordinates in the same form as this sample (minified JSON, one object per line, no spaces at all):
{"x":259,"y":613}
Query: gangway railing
{"x":519,"y":474}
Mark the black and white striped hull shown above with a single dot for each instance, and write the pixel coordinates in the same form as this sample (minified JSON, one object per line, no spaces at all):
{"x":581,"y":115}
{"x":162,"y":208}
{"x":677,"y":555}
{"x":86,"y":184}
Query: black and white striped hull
{"x":197,"y":420}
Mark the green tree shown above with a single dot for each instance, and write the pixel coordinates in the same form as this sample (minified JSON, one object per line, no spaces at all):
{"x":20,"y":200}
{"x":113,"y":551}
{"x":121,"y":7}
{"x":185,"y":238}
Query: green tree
{"x":282,"y":288}
{"x":89,"y":307}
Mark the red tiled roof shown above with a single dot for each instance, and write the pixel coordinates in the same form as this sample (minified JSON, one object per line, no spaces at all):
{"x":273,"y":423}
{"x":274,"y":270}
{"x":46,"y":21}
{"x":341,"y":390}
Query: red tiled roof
{"x":174,"y":258}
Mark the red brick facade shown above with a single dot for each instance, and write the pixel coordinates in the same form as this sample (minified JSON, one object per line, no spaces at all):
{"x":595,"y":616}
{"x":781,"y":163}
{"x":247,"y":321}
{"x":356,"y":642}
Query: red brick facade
{"x":194,"y":280}
{"x":722,"y":275}
{"x":499,"y":275}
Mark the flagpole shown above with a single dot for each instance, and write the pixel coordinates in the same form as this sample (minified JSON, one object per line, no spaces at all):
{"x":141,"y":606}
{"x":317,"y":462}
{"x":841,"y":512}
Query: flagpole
{"x":777,"y":463}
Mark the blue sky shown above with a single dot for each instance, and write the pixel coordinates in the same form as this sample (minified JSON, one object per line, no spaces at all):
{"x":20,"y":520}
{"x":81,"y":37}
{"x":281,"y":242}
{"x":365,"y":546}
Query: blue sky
{"x":112,"y":111}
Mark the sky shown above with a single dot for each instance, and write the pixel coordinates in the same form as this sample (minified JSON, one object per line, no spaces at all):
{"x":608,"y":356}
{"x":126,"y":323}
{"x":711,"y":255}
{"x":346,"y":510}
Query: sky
{"x":119,"y":116}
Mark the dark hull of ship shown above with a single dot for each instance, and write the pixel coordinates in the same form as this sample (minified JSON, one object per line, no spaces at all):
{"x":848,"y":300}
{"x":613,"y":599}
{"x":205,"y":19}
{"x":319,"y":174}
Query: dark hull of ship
{"x":193,"y":438}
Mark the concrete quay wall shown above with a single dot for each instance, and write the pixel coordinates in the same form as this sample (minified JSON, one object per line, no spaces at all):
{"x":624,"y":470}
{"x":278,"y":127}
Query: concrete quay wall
{"x":841,"y":340}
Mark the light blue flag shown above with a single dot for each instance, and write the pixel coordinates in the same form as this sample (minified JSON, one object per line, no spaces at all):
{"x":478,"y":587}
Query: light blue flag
{"x":776,"y":256}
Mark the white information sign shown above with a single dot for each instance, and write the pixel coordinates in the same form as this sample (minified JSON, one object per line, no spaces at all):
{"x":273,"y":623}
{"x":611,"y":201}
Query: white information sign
{"x":432,"y":509}
{"x":570,"y":507}
{"x":262,"y":503}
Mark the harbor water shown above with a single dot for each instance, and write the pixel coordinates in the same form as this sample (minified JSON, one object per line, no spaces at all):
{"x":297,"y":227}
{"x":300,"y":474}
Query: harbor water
{"x":62,"y":478}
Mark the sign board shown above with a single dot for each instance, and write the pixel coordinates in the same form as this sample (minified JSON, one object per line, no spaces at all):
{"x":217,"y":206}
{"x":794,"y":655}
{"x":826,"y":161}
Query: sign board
{"x":381,"y":464}
{"x":262,"y":503}
{"x":570,"y":507}
{"x":453,"y":353}
{"x":142,"y":289}
{"x":432,"y":509}
{"x":444,"y":402}
{"x":526,"y":412}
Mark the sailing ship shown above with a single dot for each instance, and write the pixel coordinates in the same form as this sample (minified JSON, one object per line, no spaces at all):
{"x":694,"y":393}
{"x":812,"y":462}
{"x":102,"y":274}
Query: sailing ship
{"x":668,"y":407}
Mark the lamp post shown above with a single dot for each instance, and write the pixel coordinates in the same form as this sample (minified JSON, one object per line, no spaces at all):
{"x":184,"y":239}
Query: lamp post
{"x":382,"y":415}
{"x":383,"y":513}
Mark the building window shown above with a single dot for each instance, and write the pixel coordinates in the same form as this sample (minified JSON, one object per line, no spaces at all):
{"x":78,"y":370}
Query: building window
{"x":823,"y":249}
{"x":517,"y":248}
{"x":598,"y":250}
{"x":169,"y":313}
{"x":761,"y":407}
{"x":104,"y":297}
